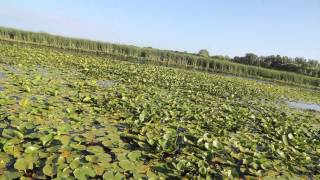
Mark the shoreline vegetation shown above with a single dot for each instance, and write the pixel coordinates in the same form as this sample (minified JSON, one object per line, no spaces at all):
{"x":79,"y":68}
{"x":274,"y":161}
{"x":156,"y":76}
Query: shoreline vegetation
{"x":155,"y":56}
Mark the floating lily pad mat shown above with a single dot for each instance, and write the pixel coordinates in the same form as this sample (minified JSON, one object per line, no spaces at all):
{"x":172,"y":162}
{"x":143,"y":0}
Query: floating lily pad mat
{"x":69,"y":116}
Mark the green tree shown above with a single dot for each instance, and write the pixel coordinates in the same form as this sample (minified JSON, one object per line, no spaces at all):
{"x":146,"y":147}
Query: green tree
{"x":204,"y":53}
{"x":251,"y":58}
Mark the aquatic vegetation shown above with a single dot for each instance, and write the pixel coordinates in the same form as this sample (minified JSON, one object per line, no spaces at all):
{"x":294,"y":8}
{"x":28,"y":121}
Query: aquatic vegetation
{"x":69,"y":116}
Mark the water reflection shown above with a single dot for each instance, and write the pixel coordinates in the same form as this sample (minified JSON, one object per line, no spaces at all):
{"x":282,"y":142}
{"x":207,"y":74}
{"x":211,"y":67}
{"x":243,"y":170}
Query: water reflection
{"x":304,"y":106}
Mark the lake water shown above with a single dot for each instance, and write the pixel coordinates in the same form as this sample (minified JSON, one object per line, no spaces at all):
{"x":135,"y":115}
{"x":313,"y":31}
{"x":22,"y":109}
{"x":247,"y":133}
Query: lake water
{"x":12,"y":69}
{"x":263,"y":81}
{"x":105,"y":83}
{"x":2,"y":76}
{"x":304,"y":106}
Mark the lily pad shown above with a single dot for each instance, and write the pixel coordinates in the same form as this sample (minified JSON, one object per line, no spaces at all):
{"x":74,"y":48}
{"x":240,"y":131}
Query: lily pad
{"x":127,"y":165}
{"x":23,"y":164}
{"x":84,"y":173}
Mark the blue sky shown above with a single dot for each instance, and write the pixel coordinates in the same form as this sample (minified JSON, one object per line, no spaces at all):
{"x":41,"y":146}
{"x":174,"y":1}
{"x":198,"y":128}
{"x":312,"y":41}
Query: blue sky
{"x":225,"y":27}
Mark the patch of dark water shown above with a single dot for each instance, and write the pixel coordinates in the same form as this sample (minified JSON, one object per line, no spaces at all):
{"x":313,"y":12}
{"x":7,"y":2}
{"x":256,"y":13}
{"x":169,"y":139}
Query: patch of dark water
{"x":122,"y":126}
{"x":97,"y":125}
{"x":17,"y":98}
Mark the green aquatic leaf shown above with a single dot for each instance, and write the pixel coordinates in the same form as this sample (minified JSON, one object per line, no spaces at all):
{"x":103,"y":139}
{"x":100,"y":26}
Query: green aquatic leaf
{"x":127,"y":165}
{"x":285,"y":140}
{"x":62,"y":160}
{"x":152,"y":175}
{"x":108,"y":175}
{"x":31,"y":149}
{"x":216,"y":144}
{"x":84,"y":173}
{"x":75,"y":163}
{"x":232,"y":173}
{"x":108,"y":143}
{"x":49,"y":169}
{"x":10,"y":133}
{"x":207,"y":146}
{"x":203,"y":171}
{"x":64,"y":139}
{"x":266,"y":165}
{"x":78,"y":147}
{"x":65,"y":173}
{"x":11,"y":147}
{"x":11,"y":175}
{"x":281,"y":153}
{"x":290,"y":136}
{"x":86,"y":99}
{"x":23,"y":164}
{"x":43,"y":154}
{"x":92,"y":158}
{"x":97,"y":170}
{"x":54,"y":92}
{"x":102,"y":158}
{"x":4,"y":159}
{"x":95,"y":149}
{"x":27,"y":88}
{"x":24,"y":103}
{"x":181,"y":165}
{"x":45,"y":139}
{"x":134,"y":156}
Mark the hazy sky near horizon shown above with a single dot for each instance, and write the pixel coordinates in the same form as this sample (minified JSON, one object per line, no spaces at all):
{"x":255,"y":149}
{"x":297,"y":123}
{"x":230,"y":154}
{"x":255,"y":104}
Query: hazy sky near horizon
{"x":225,"y":27}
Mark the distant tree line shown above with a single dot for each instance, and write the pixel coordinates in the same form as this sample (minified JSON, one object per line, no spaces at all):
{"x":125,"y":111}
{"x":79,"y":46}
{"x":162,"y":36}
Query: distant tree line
{"x":283,"y":63}
{"x":201,"y":61}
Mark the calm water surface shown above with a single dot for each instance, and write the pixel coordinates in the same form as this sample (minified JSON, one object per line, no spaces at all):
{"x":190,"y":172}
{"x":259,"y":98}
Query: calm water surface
{"x":304,"y":106}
